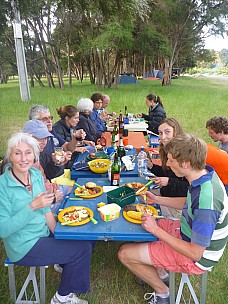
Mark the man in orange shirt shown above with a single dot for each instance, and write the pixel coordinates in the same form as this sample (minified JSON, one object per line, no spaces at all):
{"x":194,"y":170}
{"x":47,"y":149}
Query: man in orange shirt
{"x":218,"y":159}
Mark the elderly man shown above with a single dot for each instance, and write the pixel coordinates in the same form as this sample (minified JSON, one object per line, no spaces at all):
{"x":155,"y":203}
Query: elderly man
{"x":218,"y":130}
{"x":196,"y":242}
{"x":97,"y":100}
{"x":104,"y":115}
{"x":42,"y":113}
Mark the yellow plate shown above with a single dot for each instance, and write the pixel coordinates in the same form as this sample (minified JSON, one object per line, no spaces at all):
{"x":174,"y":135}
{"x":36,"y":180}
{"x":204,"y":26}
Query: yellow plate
{"x":92,"y":195}
{"x":71,"y":208}
{"x":139,"y":185}
{"x":129,"y":219}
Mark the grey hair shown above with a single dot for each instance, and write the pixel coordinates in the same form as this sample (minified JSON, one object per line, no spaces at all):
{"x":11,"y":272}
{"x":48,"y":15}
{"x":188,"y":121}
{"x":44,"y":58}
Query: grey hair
{"x":85,"y":105}
{"x":35,"y":111}
{"x":18,"y":138}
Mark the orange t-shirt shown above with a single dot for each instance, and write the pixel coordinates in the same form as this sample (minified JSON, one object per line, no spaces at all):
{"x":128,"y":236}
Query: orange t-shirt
{"x":219,"y":161}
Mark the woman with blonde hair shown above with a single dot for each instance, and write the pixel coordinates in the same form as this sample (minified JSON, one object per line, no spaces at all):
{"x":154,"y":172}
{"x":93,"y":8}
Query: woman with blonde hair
{"x":27,"y":223}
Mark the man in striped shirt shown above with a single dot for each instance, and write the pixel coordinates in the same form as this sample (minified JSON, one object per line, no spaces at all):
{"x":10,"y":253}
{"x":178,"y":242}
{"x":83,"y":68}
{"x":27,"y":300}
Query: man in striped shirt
{"x":196,"y":242}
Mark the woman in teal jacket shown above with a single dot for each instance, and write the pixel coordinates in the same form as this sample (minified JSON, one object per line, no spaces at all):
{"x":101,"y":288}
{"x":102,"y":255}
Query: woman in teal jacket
{"x":27,"y":223}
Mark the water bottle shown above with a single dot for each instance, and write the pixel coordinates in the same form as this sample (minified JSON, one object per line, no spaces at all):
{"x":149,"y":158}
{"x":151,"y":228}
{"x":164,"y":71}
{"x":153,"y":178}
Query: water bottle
{"x":142,"y":165}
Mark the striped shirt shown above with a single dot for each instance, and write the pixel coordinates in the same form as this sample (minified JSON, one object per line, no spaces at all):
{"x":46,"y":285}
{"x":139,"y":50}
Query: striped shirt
{"x":204,"y":219}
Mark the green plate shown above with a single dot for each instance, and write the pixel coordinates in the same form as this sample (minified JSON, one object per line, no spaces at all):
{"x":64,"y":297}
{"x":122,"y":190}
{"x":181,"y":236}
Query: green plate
{"x":99,"y":155}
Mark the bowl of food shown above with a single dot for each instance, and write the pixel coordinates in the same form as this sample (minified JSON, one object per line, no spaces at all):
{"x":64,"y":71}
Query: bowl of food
{"x":109,"y":212}
{"x":99,"y":166}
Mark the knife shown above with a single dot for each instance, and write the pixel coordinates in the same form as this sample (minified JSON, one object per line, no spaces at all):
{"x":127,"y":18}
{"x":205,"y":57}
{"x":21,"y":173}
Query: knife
{"x":147,"y":184}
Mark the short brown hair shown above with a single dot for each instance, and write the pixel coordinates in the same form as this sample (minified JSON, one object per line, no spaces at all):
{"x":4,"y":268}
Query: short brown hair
{"x":96,"y":96}
{"x":188,"y":148}
{"x":218,"y":124}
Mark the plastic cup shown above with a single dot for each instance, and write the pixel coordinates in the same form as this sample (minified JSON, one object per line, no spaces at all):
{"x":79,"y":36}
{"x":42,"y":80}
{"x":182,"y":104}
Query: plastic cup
{"x":125,"y":141}
{"x":110,"y":150}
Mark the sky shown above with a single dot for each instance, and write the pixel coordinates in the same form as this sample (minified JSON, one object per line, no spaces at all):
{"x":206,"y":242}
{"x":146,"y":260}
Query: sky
{"x":216,"y":43}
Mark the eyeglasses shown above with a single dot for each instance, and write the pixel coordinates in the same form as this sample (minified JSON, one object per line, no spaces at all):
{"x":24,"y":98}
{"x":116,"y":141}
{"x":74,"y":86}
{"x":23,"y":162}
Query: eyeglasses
{"x":45,"y":119}
{"x":98,"y":102}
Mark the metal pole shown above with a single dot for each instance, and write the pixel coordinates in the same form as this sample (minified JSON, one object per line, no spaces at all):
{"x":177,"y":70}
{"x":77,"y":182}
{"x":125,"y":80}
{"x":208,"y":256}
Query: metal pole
{"x":20,"y":55}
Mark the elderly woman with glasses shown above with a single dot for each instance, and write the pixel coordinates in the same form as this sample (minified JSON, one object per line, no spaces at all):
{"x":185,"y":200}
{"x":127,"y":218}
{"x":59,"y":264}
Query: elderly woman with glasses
{"x":27,"y":223}
{"x":85,"y":108}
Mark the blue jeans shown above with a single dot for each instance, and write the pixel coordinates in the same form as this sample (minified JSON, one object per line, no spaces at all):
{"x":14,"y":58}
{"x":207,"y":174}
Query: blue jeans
{"x":226,"y":187}
{"x":74,"y":257}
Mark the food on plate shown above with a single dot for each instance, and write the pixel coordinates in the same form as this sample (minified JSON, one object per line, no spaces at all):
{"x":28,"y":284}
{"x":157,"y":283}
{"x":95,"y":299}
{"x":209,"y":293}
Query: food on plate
{"x":92,"y":155}
{"x":90,"y":185}
{"x":136,"y":211}
{"x":134,"y":185}
{"x":89,"y":188}
{"x":135,"y":215}
{"x":99,"y":147}
{"x":99,"y":164}
{"x":77,"y":214}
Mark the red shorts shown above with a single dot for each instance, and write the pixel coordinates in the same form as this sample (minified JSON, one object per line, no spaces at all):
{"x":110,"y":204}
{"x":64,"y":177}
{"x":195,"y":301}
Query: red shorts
{"x":164,"y":256}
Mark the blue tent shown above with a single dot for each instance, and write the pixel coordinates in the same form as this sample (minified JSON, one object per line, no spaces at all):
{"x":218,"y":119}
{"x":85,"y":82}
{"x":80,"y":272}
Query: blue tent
{"x":125,"y":79}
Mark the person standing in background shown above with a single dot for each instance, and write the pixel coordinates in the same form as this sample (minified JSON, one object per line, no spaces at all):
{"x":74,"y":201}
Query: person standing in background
{"x":218,"y":130}
{"x":156,"y":112}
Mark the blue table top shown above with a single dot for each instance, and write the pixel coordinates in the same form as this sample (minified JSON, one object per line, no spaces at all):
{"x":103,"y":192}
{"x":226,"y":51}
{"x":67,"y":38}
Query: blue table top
{"x":75,"y":174}
{"x":117,"y":230}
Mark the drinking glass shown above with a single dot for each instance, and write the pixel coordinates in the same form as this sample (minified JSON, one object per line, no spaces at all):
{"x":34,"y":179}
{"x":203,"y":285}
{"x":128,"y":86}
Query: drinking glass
{"x":59,"y":155}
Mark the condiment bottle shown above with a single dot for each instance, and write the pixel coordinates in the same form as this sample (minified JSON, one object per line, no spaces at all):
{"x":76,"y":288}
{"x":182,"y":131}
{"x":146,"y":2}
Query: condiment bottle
{"x":115,"y":172}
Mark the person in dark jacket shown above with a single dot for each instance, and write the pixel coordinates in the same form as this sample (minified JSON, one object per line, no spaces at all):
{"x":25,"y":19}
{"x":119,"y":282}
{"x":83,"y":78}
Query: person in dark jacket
{"x":156,"y":112}
{"x":97,"y":100}
{"x":170,"y":185}
{"x":85,"y":107}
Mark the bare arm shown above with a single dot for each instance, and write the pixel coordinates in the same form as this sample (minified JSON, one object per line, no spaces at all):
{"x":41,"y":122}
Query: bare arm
{"x":173,"y":202}
{"x":188,"y":249}
{"x":50,"y":220}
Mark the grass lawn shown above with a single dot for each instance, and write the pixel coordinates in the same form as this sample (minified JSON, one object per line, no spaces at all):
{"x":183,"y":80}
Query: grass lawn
{"x":190,"y":100}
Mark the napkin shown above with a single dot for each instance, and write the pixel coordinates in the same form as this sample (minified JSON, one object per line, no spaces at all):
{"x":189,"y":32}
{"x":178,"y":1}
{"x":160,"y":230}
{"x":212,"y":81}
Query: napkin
{"x":128,"y":163}
{"x":64,"y":179}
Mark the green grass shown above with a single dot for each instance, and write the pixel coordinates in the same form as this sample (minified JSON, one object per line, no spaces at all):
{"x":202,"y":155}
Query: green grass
{"x":190,"y":100}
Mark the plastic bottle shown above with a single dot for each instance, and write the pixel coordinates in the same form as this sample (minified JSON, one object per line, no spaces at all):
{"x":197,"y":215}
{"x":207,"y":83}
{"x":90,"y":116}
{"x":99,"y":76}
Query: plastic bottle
{"x":142,"y":161}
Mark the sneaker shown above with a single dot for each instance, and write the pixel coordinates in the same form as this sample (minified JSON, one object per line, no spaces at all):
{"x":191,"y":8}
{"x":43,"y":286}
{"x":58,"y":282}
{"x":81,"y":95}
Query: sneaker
{"x":58,"y":268}
{"x":70,"y":299}
{"x":155,"y":299}
{"x":143,"y":283}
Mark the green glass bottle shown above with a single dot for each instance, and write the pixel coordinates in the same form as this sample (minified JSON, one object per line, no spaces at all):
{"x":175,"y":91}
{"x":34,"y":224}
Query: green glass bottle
{"x":120,"y":150}
{"x":121,"y":123}
{"x":115,"y":172}
{"x":115,"y":131}
{"x":126,"y":112}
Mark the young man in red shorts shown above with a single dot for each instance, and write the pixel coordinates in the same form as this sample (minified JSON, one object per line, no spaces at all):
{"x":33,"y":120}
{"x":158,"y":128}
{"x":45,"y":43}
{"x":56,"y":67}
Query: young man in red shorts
{"x":196,"y":242}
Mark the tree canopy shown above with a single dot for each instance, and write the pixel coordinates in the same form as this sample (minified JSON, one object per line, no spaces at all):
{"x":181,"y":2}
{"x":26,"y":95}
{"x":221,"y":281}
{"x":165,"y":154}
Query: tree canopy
{"x":104,"y":38}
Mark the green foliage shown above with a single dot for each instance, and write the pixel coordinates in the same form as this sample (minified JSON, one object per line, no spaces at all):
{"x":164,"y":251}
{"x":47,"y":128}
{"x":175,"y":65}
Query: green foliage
{"x":191,"y":101}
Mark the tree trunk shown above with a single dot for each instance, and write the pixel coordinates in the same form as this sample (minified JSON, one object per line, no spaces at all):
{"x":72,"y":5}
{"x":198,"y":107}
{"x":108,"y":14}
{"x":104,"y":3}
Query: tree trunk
{"x":69,"y":65}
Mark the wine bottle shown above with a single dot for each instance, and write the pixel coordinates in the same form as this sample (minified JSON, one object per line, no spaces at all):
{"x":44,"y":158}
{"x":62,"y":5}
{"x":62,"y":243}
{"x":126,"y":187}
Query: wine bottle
{"x":115,"y":131}
{"x":126,"y":112}
{"x":115,"y":172}
{"x":121,"y":123}
{"x":120,"y":150}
